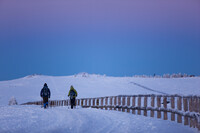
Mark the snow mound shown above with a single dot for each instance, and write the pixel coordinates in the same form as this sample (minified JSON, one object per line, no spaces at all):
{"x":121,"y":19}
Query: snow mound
{"x":12,"y":101}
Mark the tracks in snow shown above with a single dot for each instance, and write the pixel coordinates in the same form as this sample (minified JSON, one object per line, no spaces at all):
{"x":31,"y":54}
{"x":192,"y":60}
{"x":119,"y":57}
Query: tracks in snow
{"x":147,"y":88}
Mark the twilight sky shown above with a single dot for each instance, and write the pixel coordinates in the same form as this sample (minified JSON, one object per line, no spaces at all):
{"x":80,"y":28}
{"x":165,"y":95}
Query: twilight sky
{"x":112,"y":37}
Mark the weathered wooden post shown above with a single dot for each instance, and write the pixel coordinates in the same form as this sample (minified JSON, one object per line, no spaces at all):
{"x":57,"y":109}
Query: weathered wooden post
{"x":97,"y":103}
{"x":158,"y":105}
{"x":179,"y":102}
{"x":133,"y":104}
{"x":93,"y":102}
{"x":89,"y":102}
{"x":145,"y":105}
{"x":165,"y":106}
{"x":111,"y":103}
{"x":81,"y":102}
{"x":139,"y":105}
{"x":65,"y":103}
{"x":191,"y":104}
{"x":119,"y":103}
{"x":196,"y":104}
{"x":152,"y":105}
{"x":102,"y":103}
{"x":191,"y":122}
{"x":78,"y":102}
{"x":106,"y":103}
{"x":172,"y":106}
{"x":128,"y":104}
{"x":185,"y":104}
{"x":123,"y":104}
{"x":199,"y":108}
{"x":115,"y":102}
{"x":86,"y":102}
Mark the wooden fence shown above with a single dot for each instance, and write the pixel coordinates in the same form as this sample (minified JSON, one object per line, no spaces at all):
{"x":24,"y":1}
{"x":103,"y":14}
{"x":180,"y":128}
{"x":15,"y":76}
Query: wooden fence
{"x":183,"y":109}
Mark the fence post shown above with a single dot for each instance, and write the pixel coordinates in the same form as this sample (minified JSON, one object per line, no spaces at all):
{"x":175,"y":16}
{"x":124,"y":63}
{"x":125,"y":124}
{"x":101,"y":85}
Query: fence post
{"x":158,"y":105}
{"x":106,"y":103}
{"x":196,"y":104}
{"x":128,"y":104}
{"x":152,"y":105}
{"x":123,"y":104}
{"x":172,"y":106}
{"x":191,"y":104}
{"x":81,"y":102}
{"x":97,"y":103}
{"x":93,"y":102}
{"x":65,"y":103}
{"x":111,"y":103}
{"x":165,"y":106}
{"x":179,"y":102}
{"x":86,"y":102}
{"x":89,"y":102}
{"x":185,"y":103}
{"x":119,"y":103}
{"x":199,"y":107}
{"x":145,"y":105}
{"x":115,"y":102}
{"x":139,"y":105}
{"x":102,"y":103}
{"x":133,"y":104}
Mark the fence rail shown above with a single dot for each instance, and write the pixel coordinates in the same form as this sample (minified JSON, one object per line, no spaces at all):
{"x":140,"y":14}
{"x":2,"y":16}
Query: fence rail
{"x":183,"y":109}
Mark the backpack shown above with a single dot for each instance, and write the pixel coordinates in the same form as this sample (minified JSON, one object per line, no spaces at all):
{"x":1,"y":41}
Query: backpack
{"x":45,"y":92}
{"x":72,"y":94}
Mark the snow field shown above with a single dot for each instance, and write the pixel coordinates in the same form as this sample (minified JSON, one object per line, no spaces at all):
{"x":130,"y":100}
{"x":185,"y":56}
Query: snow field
{"x":31,"y":119}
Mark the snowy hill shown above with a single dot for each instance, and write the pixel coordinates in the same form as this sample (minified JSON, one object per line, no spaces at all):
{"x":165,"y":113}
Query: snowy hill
{"x":32,"y":119}
{"x":90,"y":85}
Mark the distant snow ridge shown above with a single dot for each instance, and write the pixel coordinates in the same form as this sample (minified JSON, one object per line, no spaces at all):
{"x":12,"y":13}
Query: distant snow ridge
{"x":174,"y":75}
{"x":12,"y":101}
{"x":85,"y":74}
{"x":33,"y":75}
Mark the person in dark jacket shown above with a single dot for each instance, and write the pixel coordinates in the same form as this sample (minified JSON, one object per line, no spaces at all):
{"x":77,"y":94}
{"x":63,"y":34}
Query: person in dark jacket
{"x":72,"y":94}
{"x":45,"y":94}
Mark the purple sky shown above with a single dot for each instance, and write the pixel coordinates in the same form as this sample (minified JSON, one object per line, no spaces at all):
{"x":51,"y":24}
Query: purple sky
{"x":113,"y":37}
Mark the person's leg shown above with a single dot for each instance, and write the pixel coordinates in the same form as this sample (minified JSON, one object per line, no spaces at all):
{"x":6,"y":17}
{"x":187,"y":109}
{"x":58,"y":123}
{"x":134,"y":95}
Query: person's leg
{"x":45,"y":101}
{"x":71,"y":102}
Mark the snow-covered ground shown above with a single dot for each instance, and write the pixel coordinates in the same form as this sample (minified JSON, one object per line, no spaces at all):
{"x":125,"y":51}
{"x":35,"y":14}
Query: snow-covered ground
{"x":61,"y":119}
{"x":34,"y":119}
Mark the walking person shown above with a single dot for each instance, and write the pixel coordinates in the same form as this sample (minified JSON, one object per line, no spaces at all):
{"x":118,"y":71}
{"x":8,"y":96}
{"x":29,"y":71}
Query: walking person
{"x":45,"y":94}
{"x":72,"y":94}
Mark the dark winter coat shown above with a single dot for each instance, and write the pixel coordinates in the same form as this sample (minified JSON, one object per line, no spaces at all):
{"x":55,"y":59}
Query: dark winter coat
{"x":45,"y":92}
